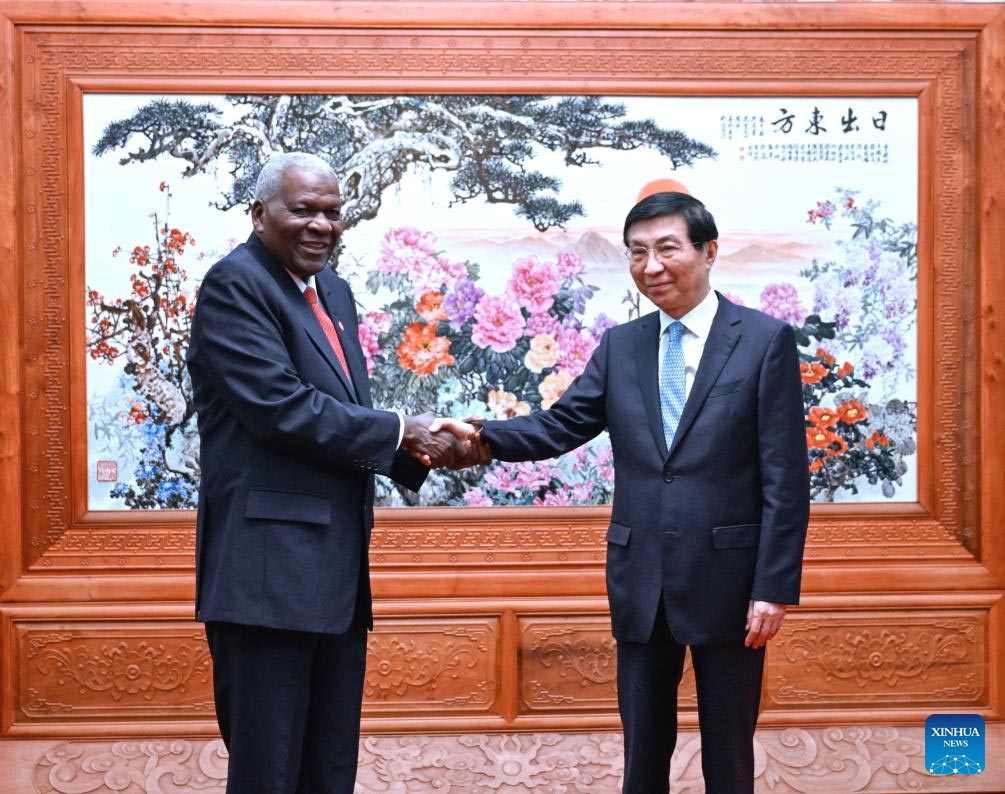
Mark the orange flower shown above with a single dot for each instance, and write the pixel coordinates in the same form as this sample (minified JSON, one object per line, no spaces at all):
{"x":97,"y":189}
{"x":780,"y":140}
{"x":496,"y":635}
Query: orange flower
{"x":875,"y":439}
{"x":822,"y":438}
{"x":851,"y":412}
{"x":422,"y":351}
{"x":846,"y":369}
{"x":825,"y":356}
{"x":823,"y":417}
{"x":813,"y":372}
{"x":816,"y":464}
{"x":430,"y":306}
{"x":136,"y":413}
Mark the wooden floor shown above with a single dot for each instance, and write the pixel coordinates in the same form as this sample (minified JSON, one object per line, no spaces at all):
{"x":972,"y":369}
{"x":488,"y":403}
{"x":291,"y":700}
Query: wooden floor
{"x":838,"y":760}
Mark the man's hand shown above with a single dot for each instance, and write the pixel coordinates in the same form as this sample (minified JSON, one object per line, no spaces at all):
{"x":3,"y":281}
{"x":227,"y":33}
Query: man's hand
{"x":479,"y":452}
{"x":764,"y":619}
{"x":444,"y":445}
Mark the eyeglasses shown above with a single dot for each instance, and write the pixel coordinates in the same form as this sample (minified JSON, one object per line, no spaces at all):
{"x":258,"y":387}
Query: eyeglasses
{"x":665,"y":253}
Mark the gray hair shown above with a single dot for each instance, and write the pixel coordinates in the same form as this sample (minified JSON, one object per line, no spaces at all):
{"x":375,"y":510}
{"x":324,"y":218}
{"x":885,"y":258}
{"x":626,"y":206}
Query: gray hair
{"x":271,"y":175}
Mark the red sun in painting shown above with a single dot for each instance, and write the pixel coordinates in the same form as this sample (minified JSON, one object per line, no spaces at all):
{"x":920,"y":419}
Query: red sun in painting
{"x":661,"y":186}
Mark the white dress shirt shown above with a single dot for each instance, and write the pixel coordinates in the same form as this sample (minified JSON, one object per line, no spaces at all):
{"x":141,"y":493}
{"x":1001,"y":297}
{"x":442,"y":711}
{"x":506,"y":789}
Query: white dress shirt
{"x":697,"y":325}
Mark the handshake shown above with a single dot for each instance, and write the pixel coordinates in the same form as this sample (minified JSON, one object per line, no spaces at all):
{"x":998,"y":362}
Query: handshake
{"x":440,"y":442}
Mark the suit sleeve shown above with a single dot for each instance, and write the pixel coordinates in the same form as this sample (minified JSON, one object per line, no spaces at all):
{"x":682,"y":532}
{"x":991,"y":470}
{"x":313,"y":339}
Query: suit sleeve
{"x":578,"y":416}
{"x":782,"y":456}
{"x":239,"y":347}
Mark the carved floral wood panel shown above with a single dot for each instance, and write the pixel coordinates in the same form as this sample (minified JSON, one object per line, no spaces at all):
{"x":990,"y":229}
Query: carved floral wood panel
{"x":94,"y":670}
{"x":568,"y":663}
{"x":882,"y":659}
{"x":449,"y":665}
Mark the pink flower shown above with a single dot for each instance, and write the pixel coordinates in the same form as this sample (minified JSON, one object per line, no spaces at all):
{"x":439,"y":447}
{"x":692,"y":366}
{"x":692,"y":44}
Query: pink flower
{"x":576,"y":348}
{"x":556,"y":498}
{"x":476,"y":497}
{"x":498,"y":324}
{"x":534,"y":284}
{"x":543,"y":324}
{"x":570,"y":265}
{"x":403,"y":248}
{"x":782,"y":302}
{"x":435,"y":273}
{"x":732,"y":297}
{"x":371,"y":327}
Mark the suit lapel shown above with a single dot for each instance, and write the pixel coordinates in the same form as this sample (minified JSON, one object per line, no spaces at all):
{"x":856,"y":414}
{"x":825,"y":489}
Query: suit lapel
{"x":722,"y":338}
{"x":647,"y":346}
{"x":302,"y":310}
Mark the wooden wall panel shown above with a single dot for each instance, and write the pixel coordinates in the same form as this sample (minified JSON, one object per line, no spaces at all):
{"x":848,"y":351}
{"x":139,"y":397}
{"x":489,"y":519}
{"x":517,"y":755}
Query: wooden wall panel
{"x":450,"y":666}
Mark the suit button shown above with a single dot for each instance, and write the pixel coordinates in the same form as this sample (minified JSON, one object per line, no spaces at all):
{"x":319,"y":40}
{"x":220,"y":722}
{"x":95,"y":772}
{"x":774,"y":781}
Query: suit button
{"x":667,"y":474}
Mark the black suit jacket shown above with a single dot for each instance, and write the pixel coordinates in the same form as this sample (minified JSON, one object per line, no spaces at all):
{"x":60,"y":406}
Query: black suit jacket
{"x":288,"y":450}
{"x":719,"y":518}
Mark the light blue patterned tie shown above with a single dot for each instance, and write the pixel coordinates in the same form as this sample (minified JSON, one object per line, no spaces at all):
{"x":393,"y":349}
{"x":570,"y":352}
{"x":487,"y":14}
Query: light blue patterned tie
{"x":672,"y":381}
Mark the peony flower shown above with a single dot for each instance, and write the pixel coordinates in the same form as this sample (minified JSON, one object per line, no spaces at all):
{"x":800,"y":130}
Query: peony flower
{"x":732,"y":297}
{"x":421,"y":351}
{"x":435,"y":273}
{"x":430,"y":306}
{"x":570,"y":265}
{"x":543,"y":324}
{"x":534,"y":284}
{"x":543,"y":353}
{"x":460,"y":303}
{"x":404,"y":247}
{"x":576,"y":348}
{"x":782,"y":302}
{"x":552,"y":387}
{"x":498,"y":324}
{"x":504,"y":404}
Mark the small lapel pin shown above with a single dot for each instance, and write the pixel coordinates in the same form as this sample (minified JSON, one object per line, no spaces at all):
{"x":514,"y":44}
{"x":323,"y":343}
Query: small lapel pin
{"x":340,"y":326}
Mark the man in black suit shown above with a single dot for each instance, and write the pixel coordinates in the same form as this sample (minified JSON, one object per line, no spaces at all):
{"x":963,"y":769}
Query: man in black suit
{"x":703,"y":402}
{"x":289,"y":446}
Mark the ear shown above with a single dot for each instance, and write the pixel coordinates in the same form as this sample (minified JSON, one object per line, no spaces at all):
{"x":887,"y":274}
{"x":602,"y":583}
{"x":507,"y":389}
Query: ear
{"x":711,"y":251}
{"x":258,"y":215}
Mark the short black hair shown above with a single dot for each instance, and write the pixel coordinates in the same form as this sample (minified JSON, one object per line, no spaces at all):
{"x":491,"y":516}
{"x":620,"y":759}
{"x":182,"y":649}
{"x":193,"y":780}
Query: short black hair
{"x":700,"y":223}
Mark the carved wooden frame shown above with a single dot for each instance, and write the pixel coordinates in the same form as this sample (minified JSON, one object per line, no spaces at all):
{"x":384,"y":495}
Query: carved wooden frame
{"x":950,"y":57}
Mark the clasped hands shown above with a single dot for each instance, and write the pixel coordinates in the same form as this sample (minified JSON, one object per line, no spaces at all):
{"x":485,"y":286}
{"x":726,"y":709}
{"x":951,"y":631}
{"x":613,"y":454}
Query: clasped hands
{"x":439,"y":442}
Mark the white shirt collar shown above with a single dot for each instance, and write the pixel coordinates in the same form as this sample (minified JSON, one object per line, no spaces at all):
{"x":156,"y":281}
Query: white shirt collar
{"x":698,"y":321}
{"x":302,"y":285}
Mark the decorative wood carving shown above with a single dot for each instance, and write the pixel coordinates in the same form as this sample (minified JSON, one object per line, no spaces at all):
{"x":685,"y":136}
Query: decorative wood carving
{"x":96,"y":671}
{"x":449,"y":666}
{"x":887,"y":658}
{"x":850,"y":759}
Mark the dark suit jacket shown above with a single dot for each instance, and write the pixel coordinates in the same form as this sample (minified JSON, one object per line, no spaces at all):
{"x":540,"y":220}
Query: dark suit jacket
{"x":721,"y":517}
{"x":288,"y":450}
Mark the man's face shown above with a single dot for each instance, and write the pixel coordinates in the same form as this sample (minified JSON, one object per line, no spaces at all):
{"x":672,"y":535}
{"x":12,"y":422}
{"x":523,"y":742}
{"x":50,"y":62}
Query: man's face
{"x":673,"y":273}
{"x":302,"y":224}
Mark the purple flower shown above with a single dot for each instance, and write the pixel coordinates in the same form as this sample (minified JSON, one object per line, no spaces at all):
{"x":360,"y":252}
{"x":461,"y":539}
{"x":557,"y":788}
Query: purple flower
{"x":460,"y":303}
{"x":782,"y":302}
{"x":601,"y":324}
{"x":543,"y":324}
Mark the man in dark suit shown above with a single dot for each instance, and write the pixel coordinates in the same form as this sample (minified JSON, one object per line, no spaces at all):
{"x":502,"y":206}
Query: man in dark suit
{"x":703,"y":402}
{"x":289,"y":446}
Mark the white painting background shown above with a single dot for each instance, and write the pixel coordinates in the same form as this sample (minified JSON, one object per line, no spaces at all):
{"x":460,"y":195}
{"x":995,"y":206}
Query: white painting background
{"x":759,"y":205}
